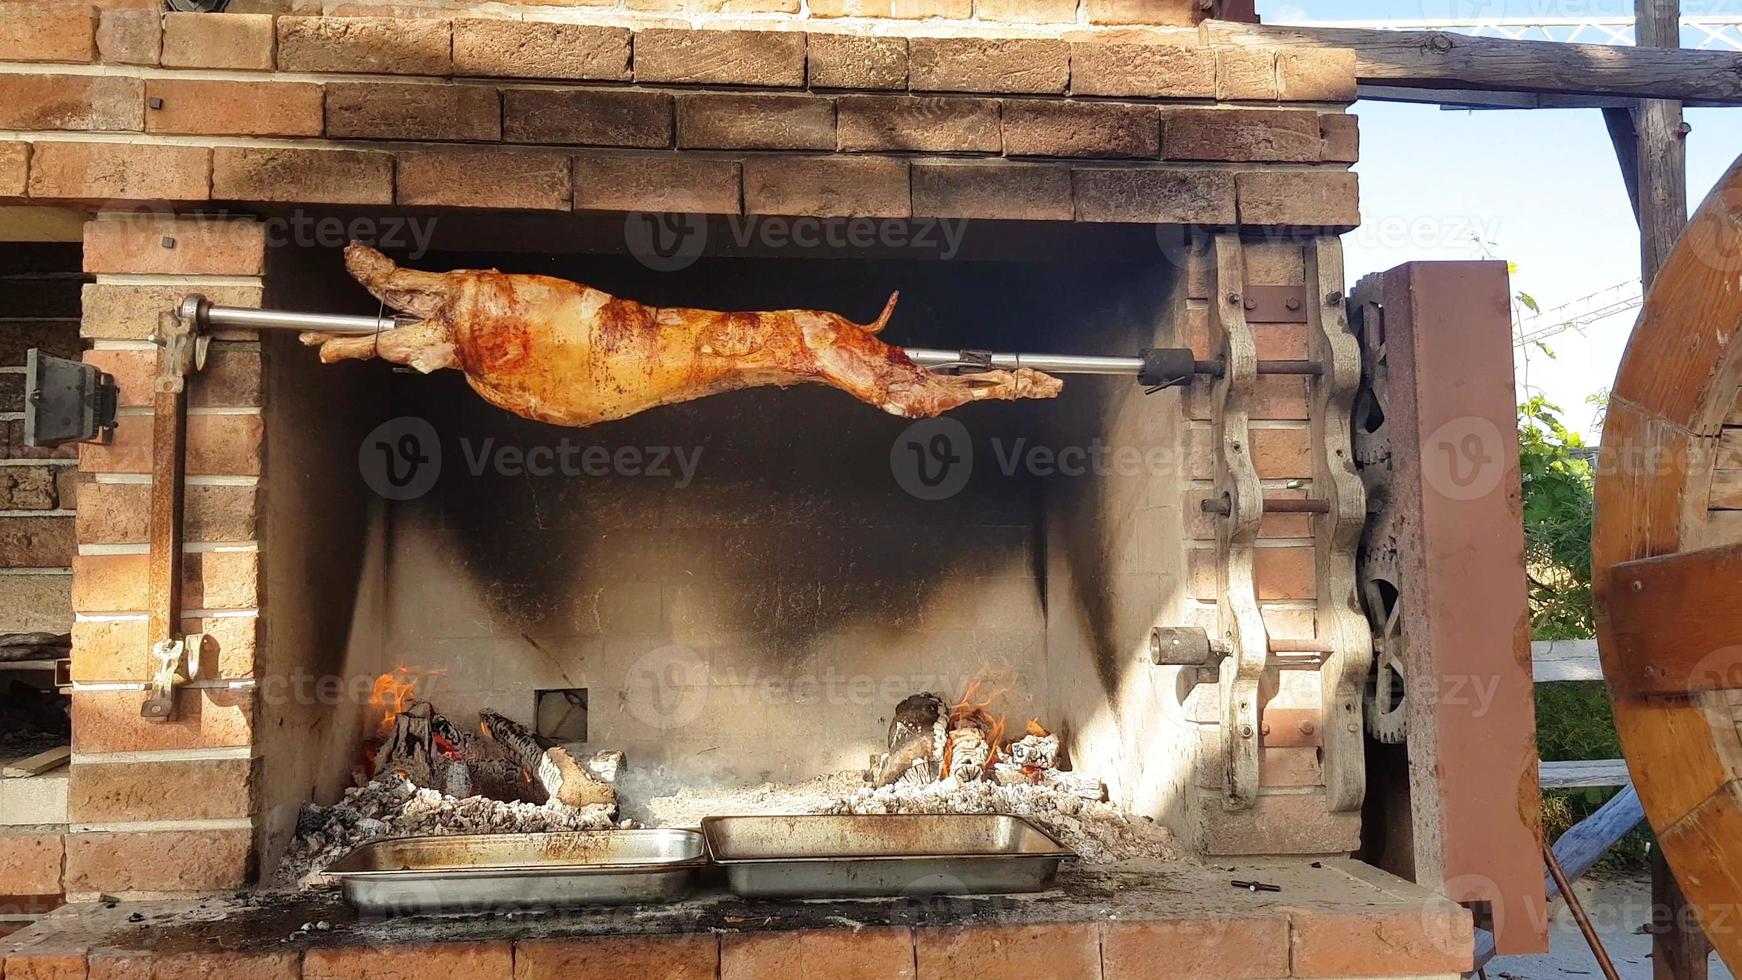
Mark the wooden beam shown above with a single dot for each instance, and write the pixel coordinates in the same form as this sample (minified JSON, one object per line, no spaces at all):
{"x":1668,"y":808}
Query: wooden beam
{"x":1675,"y":620}
{"x":1443,"y":60}
{"x":1663,"y":178}
{"x":1619,"y":121}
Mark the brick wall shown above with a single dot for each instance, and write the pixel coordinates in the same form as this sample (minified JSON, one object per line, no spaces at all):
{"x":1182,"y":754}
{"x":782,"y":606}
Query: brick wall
{"x":164,"y":807}
{"x":436,"y":112}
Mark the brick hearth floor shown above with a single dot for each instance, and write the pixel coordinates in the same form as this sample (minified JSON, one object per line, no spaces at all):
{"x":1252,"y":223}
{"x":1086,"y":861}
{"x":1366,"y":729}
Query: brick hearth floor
{"x":1335,"y":918}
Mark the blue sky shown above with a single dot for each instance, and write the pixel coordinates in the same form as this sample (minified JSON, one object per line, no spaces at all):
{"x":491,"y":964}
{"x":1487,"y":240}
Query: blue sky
{"x":1542,"y":187}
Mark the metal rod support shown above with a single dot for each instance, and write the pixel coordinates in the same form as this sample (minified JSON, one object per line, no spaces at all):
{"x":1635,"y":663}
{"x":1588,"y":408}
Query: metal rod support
{"x":207,"y":316}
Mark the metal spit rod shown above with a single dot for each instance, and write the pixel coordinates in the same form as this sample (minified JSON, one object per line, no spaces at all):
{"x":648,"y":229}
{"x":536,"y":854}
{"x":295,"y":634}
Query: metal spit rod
{"x":207,"y":315}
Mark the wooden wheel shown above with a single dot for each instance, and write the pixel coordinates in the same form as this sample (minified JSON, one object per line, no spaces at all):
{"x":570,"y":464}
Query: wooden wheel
{"x":1668,"y":561}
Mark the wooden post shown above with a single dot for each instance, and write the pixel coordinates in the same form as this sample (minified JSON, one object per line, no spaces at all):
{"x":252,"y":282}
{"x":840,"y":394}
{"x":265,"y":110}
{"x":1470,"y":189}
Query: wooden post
{"x":1679,"y":949}
{"x":1662,"y":157}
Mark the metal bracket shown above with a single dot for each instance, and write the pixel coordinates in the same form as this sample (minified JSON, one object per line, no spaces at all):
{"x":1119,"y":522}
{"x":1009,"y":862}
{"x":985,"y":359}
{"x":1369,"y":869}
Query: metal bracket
{"x":1275,"y":304}
{"x":181,"y":351}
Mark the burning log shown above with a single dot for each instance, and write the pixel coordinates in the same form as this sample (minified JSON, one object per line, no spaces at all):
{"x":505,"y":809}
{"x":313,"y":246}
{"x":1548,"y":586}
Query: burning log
{"x":1035,"y":751}
{"x":968,"y":754}
{"x":916,"y":741}
{"x":414,"y":748}
{"x":565,"y":779}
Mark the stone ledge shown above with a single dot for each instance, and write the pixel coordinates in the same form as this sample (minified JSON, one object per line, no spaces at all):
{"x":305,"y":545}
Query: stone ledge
{"x":1113,"y":923}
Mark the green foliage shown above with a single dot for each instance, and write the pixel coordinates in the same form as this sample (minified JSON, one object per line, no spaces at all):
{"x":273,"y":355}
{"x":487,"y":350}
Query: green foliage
{"x":1557,"y":478}
{"x":1573,"y":721}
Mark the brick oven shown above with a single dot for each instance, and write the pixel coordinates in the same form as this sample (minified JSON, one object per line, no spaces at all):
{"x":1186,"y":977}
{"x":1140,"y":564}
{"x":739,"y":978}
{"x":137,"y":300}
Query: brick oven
{"x":734,"y":591}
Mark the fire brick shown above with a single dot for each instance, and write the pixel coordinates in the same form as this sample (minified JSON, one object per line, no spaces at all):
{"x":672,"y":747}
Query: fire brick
{"x":473,"y":961}
{"x":36,"y":542}
{"x":129,"y":37}
{"x":967,"y":64}
{"x":201,"y":965}
{"x":30,"y":864}
{"x":918,"y":123}
{"x":894,"y":9}
{"x":238,"y":41}
{"x":530,"y":49}
{"x":196,"y":860}
{"x":35,"y":33}
{"x":1161,"y":71}
{"x":768,"y":58}
{"x":217,"y":445}
{"x":232,"y":108}
{"x":587,"y":117}
{"x":857,"y":61}
{"x":1309,"y":75}
{"x":230,"y":379}
{"x":690,"y":957}
{"x":1148,"y":196}
{"x":210,"y":580}
{"x":120,"y":171}
{"x":860,"y":954}
{"x":117,"y":311}
{"x":1081,"y":129}
{"x":1371,"y":943}
{"x":119,"y":513}
{"x":1235,"y":949}
{"x":1257,"y":135}
{"x":1320,"y":199}
{"x":108,"y":721}
{"x":1342,"y":137}
{"x":680,"y":183}
{"x":1172,"y":13}
{"x":124,"y":792}
{"x":1000,"y":190}
{"x":14,"y":167}
{"x":302,"y":175}
{"x":413,"y":111}
{"x":755,"y":122}
{"x":45,"y":966}
{"x":484,"y":178}
{"x":1032,"y":952}
{"x":371,"y":45}
{"x":1245,"y":74}
{"x":196,"y":246}
{"x":827,"y":187}
{"x":108,"y":650}
{"x":111,"y":103}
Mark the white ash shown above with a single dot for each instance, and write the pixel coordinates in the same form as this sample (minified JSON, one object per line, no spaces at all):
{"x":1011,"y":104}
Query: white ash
{"x":391,"y":806}
{"x":1100,"y":833}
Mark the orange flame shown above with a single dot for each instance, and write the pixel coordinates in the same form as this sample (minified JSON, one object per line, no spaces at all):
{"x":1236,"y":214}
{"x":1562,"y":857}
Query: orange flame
{"x":973,"y":710}
{"x":392,"y":693}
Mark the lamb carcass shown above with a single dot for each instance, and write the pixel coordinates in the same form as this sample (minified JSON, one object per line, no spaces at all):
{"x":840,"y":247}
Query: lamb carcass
{"x":569,"y":354}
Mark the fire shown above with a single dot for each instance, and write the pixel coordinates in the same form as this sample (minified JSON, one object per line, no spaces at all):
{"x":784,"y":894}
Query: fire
{"x":973,"y":709}
{"x":392,"y":693}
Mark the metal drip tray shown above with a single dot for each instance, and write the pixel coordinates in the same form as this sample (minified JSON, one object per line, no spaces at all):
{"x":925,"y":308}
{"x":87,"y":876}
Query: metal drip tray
{"x":472,"y":873}
{"x":882,"y":855}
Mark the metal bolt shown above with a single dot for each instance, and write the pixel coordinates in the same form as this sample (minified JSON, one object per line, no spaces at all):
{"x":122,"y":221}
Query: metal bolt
{"x":1638,"y":586}
{"x":1307,"y":727}
{"x":1264,"y":730}
{"x":1333,"y":299}
{"x":168,"y":241}
{"x":1291,"y":303}
{"x":1251,"y":304}
{"x":1245,"y":731}
{"x":1233,"y":297}
{"x":154,"y":102}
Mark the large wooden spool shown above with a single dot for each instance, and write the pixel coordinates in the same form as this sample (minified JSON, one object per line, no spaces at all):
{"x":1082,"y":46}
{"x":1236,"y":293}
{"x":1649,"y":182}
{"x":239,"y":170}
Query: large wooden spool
{"x":1669,"y":483}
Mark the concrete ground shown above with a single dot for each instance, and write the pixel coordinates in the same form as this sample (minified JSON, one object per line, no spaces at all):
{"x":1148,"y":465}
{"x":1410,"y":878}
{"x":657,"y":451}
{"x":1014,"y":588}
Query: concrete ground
{"x":1617,"y":907}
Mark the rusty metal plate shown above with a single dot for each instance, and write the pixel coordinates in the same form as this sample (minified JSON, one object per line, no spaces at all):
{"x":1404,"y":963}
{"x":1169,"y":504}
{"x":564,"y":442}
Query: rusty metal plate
{"x":1275,"y":304}
{"x":1284,"y":728}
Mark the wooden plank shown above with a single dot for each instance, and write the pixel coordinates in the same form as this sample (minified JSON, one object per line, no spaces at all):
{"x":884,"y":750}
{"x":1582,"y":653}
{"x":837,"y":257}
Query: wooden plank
{"x":1677,"y":622}
{"x":1584,"y":774}
{"x":1726,"y":490}
{"x":41,"y":762}
{"x":1443,"y":60}
{"x":1555,"y":661}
